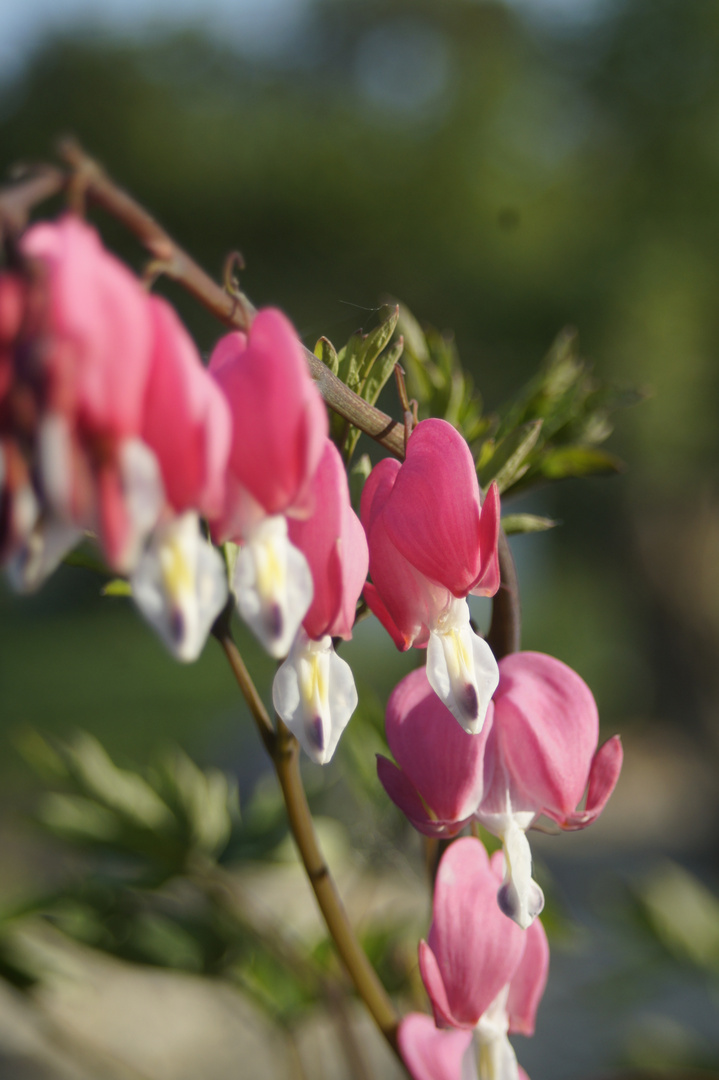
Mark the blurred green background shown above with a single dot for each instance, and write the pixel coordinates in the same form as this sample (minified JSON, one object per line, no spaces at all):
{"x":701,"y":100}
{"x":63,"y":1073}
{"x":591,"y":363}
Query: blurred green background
{"x":504,"y":170}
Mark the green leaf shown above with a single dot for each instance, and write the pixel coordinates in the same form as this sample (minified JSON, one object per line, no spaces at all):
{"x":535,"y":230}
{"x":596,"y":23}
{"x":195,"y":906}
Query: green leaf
{"x":117,"y":587}
{"x":578,"y":461}
{"x":205,"y":802}
{"x":509,"y":459}
{"x":357,"y":478}
{"x":78,"y":819}
{"x":683,"y":914}
{"x":41,"y":756}
{"x":383,"y":372}
{"x":526,"y":523}
{"x":326,"y":352}
{"x":120,"y":790}
{"x":86,"y":559}
{"x":350,"y":358}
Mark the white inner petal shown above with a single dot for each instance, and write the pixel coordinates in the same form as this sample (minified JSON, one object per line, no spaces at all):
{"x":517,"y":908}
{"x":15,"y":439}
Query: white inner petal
{"x":461,"y":668}
{"x":144,"y":495}
{"x":44,"y":547}
{"x":519,"y":896}
{"x":273,"y":586}
{"x":496,"y":1058}
{"x":54,"y":448}
{"x":314,"y":692}
{"x":180,"y":585}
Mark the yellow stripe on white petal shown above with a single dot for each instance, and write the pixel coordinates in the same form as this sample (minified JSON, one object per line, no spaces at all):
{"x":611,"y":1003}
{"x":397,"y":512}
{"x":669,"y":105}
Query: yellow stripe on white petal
{"x":461,"y":667}
{"x":180,"y":585}
{"x":273,"y":585}
{"x":314,"y":692}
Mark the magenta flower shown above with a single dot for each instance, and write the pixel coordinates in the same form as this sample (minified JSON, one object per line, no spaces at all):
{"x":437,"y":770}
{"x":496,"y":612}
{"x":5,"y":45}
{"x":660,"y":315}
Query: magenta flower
{"x":82,"y":357}
{"x":279,"y":431}
{"x":180,"y":582}
{"x":440,"y":780}
{"x":279,"y":418}
{"x":431,"y":544}
{"x":314,"y":690}
{"x":481,"y":971}
{"x":541,"y":756}
{"x":128,"y":435}
{"x":186,"y":420}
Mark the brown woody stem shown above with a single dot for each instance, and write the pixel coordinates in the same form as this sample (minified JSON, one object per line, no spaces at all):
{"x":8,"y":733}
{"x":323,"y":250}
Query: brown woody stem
{"x":283,"y":749}
{"x":506,"y":626}
{"x":233,"y":309}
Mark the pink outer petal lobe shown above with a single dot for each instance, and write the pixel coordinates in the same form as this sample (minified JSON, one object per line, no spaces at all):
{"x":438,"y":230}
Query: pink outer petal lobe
{"x":280,"y":422}
{"x":528,"y":981}
{"x":433,"y":514}
{"x":443,"y":762}
{"x":545,"y":731}
{"x":428,"y":1053}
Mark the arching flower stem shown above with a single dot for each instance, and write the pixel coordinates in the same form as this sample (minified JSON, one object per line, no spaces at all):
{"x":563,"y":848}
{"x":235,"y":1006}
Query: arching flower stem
{"x":283,"y":749}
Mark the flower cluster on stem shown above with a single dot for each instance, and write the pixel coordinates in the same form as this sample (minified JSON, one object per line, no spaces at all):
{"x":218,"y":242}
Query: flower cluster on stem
{"x":111,"y":426}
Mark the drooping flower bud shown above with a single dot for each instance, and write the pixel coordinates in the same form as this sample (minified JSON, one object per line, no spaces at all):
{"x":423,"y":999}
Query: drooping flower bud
{"x":80,"y":368}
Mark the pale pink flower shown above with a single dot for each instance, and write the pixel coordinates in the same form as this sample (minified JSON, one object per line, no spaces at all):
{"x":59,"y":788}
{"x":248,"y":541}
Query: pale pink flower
{"x":481,"y":971}
{"x":431,"y":544}
{"x":541,"y":757}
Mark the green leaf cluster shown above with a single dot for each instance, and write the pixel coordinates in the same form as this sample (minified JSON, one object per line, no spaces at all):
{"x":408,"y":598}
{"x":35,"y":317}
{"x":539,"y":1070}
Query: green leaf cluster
{"x":552,"y":429}
{"x":156,"y":892}
{"x":160,"y":823}
{"x":555,"y":425}
{"x":436,"y":380}
{"x":364,"y":364}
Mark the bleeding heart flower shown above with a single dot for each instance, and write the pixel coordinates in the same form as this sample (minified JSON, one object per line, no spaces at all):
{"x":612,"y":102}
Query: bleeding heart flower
{"x":440,"y":780}
{"x":279,"y":430}
{"x":541,"y":757}
{"x":482,"y":973}
{"x":81,"y":360}
{"x":314,"y":690}
{"x":180,"y":582}
{"x":431,"y":544}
